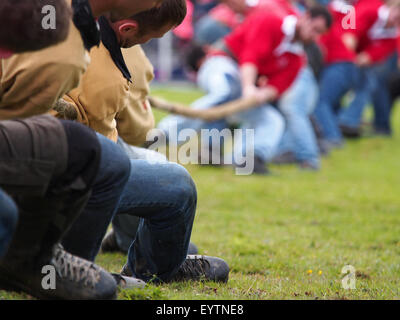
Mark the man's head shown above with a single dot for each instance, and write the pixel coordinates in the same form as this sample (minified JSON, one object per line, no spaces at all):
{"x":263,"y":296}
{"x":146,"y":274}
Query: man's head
{"x":394,"y":13}
{"x":153,"y":23}
{"x":123,"y":9}
{"x":316,"y":21}
{"x":195,"y":56}
{"x":24,"y":24}
{"x":238,"y":6}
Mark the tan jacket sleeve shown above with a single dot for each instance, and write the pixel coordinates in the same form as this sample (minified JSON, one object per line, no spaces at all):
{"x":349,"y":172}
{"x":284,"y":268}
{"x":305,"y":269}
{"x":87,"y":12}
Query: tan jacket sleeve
{"x":32,"y":82}
{"x":137,"y":119}
{"x":34,"y":91}
{"x":97,"y":107}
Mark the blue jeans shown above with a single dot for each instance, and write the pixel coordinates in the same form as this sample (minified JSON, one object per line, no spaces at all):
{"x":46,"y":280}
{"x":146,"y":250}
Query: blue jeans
{"x":268,"y":125}
{"x":85,"y":236}
{"x":125,"y":226}
{"x":381,"y":98}
{"x":336,"y":80}
{"x":164,"y":196}
{"x":8,"y":221}
{"x":219,"y":77}
{"x":208,"y":30}
{"x":373,"y":87}
{"x":297,"y":104}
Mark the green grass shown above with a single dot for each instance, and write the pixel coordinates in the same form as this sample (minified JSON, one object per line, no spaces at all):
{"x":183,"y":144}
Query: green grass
{"x":274,"y":230}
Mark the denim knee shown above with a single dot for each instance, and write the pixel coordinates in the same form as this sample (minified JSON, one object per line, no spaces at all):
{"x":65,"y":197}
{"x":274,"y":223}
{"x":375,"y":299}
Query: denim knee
{"x":183,"y":189}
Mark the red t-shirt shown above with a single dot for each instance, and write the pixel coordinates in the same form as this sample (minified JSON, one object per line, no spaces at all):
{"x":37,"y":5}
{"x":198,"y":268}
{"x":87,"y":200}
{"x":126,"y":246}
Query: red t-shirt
{"x":332,"y":43}
{"x":374,"y":39}
{"x":225,"y":15}
{"x":266,"y":40}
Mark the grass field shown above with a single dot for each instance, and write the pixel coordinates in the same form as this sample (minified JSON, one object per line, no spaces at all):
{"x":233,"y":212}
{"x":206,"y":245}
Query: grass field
{"x":289,"y":235}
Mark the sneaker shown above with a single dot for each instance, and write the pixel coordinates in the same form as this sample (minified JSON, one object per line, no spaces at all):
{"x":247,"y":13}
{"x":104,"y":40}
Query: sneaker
{"x":75,"y":279}
{"x":204,"y":268}
{"x":196,"y":268}
{"x":124,"y":282}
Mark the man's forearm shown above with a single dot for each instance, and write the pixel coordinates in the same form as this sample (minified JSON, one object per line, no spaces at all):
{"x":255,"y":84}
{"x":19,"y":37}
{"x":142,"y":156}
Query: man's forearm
{"x":248,"y":73}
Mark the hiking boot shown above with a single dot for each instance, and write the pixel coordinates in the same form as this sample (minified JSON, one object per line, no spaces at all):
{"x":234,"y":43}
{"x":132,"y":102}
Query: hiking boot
{"x":125,"y":282}
{"x":109,"y":243}
{"x":196,"y":268}
{"x":75,"y":279}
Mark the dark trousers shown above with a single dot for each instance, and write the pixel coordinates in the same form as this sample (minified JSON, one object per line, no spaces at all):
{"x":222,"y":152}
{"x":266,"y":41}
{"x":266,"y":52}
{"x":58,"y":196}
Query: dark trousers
{"x":48,"y":167}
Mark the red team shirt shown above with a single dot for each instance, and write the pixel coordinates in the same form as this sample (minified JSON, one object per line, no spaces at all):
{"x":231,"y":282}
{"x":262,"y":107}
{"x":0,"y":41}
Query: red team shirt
{"x":332,"y":43}
{"x":266,"y":40}
{"x":374,"y":39}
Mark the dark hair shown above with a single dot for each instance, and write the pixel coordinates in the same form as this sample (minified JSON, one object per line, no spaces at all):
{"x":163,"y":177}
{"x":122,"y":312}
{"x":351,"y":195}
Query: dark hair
{"x":321,"y":11}
{"x":193,"y":56}
{"x":170,"y":12}
{"x":21,"y":24}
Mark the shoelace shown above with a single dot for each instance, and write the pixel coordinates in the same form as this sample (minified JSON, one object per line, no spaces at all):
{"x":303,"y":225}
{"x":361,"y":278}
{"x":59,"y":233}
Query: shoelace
{"x":74,"y":268}
{"x":195,"y":267}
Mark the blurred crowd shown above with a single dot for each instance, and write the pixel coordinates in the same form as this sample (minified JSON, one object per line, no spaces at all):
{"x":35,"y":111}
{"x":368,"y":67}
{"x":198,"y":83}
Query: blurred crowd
{"x":345,"y":66}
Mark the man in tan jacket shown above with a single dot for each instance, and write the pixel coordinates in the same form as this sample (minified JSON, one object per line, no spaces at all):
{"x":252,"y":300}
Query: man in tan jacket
{"x":106,"y":99}
{"x":115,"y":86}
{"x":49,"y":167}
{"x":112,"y":99}
{"x":31,"y":83}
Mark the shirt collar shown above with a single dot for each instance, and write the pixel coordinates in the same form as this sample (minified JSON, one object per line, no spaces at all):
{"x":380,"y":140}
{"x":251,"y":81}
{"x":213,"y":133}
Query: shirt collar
{"x":86,"y":23}
{"x":289,"y":32}
{"x":110,"y":41}
{"x":289,"y":26}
